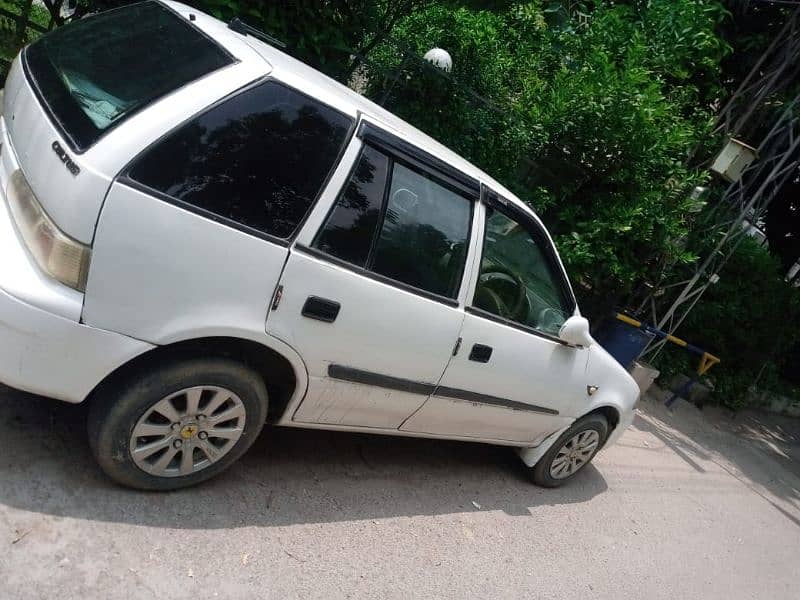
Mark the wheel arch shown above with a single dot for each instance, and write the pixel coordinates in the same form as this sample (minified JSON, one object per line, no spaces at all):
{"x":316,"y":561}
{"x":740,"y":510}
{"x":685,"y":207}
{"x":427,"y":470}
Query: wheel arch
{"x":283,"y":371}
{"x":610,"y":412}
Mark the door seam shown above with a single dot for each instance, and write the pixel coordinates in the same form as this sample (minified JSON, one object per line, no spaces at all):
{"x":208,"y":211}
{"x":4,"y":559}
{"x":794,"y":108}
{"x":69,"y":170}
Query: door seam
{"x":441,"y":375}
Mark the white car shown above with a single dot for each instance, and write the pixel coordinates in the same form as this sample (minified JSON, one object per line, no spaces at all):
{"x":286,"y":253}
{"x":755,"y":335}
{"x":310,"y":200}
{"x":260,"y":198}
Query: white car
{"x":200,"y":235}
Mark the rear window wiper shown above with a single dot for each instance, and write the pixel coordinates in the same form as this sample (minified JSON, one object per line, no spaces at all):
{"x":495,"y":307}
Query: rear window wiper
{"x":240,"y":26}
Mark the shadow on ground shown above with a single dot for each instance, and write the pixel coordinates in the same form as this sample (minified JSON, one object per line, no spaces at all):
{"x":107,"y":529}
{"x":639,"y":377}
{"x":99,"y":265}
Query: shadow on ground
{"x":759,"y":450}
{"x":290,"y":476}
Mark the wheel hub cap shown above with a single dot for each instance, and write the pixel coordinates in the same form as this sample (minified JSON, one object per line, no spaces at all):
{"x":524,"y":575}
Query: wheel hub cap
{"x":187,"y":431}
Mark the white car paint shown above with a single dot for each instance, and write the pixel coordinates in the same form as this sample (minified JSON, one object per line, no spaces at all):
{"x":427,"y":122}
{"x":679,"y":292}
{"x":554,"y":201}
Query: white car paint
{"x":160,"y":274}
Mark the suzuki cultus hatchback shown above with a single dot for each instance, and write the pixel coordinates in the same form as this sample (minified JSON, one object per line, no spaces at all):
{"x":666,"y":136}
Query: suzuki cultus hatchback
{"x":200,"y":235}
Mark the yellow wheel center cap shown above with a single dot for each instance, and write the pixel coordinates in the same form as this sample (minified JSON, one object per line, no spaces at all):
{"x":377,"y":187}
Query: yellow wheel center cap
{"x":189,"y":431}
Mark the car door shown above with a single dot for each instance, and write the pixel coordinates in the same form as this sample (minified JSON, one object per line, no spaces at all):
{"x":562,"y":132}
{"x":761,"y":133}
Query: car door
{"x":370,"y":298}
{"x":513,"y":379}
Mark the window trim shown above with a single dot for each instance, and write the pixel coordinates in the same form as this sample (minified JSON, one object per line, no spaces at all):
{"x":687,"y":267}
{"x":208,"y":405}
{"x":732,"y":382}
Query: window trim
{"x":317,"y":253}
{"x":376,"y":235}
{"x":395,"y":155}
{"x":493,"y":200}
{"x":202,"y":212}
{"x":416,"y":157}
{"x":80,"y":149}
{"x":489,"y":316}
{"x":124,"y":177}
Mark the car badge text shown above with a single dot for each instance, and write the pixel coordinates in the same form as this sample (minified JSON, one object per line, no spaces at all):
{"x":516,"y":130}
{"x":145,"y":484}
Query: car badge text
{"x":68,"y":162}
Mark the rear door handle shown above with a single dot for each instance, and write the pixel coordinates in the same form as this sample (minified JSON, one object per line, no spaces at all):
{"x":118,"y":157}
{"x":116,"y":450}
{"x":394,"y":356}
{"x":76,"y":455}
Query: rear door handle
{"x":321,"y":309}
{"x":480,"y":353}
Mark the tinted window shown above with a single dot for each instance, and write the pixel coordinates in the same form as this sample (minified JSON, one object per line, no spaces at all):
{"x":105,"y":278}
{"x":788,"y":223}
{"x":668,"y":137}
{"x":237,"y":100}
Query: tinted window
{"x":517,"y":280}
{"x":94,"y":72}
{"x":423,"y":233}
{"x":259,"y":159}
{"x":351,"y":226}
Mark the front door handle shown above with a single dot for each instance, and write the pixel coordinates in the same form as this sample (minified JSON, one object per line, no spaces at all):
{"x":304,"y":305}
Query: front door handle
{"x":321,"y":309}
{"x":480,"y":353}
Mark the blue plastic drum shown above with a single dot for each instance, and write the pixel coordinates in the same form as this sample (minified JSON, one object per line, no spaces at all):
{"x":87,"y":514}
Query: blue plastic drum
{"x":622,"y":341}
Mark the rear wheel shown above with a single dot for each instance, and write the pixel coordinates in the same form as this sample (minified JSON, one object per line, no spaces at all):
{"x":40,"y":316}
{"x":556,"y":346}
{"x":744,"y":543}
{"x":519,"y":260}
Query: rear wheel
{"x":571,"y":452}
{"x":177,"y":425}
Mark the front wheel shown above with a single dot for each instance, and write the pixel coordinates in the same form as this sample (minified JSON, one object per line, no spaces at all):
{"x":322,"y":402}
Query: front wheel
{"x":572,"y":451}
{"x":178,"y":424}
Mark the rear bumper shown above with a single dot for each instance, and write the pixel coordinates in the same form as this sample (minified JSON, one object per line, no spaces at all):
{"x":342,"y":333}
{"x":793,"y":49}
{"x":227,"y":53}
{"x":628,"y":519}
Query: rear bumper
{"x":49,"y":355}
{"x":44,"y":349}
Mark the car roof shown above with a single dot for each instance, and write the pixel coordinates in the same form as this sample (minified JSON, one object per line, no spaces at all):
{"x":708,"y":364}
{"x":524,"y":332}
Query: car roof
{"x":298,"y":74}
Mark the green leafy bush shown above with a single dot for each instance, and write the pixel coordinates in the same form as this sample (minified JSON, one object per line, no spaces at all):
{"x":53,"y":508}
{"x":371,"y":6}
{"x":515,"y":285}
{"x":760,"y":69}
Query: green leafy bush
{"x":749,"y":319}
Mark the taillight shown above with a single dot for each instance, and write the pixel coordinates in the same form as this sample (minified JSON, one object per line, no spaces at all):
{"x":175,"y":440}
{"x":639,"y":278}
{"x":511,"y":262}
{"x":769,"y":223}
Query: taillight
{"x":57,"y":254}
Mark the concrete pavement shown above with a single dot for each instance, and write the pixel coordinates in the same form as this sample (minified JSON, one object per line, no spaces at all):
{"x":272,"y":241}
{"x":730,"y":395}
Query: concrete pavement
{"x":682,"y":507}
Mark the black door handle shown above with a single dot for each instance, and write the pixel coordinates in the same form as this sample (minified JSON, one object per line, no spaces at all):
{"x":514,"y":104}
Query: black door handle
{"x":480,"y":353}
{"x":321,"y":309}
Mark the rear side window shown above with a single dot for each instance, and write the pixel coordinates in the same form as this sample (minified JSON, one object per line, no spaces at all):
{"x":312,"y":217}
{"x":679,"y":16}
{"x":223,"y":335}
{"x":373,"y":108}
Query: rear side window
{"x":258,"y":159}
{"x":400,"y":223}
{"x":93,"y":73}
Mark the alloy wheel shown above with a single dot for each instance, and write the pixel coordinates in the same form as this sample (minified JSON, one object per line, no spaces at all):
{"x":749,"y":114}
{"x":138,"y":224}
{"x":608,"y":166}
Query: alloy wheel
{"x":187,"y":431}
{"x":574,"y":454}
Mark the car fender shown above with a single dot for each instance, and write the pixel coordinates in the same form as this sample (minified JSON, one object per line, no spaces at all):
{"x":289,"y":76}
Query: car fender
{"x":608,"y":386}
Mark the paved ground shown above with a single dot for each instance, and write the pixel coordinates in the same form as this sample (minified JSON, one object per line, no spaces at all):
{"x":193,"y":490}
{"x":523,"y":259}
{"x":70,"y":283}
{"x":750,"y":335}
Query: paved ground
{"x":683,"y":507}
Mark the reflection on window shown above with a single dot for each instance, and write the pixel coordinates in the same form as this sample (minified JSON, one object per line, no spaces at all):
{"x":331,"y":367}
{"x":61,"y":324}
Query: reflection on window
{"x":104,"y":67}
{"x":351,"y":227}
{"x":423,"y":241}
{"x":260,"y":158}
{"x":517,"y":281}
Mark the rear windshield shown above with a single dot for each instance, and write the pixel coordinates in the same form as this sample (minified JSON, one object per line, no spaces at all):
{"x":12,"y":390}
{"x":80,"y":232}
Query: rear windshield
{"x":94,"y":73}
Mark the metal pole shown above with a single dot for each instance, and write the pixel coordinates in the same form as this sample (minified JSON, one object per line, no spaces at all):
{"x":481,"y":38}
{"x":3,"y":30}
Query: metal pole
{"x":781,"y":147}
{"x":779,"y":40}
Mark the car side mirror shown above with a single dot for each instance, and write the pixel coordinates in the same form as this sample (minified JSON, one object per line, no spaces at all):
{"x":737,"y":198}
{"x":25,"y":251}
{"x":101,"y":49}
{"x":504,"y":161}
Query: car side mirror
{"x":575,"y":331}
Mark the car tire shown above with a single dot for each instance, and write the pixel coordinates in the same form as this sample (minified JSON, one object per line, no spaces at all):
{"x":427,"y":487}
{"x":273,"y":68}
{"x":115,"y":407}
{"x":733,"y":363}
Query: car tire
{"x":168,"y":402}
{"x":571,"y":452}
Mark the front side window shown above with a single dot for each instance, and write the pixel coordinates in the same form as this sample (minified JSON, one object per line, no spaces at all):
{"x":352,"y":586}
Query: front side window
{"x":258,"y":159}
{"x":94,"y":72}
{"x":401,"y":223}
{"x":518,"y":281}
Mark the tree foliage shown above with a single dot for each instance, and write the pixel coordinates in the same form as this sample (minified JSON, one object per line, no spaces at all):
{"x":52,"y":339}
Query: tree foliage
{"x":599,"y":113}
{"x":323,"y":33}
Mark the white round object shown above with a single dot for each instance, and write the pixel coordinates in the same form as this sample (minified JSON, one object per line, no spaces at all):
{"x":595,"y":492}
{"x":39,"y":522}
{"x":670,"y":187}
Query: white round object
{"x":440,"y":58}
